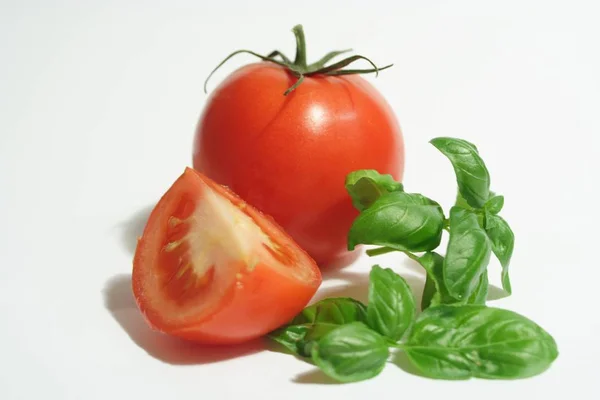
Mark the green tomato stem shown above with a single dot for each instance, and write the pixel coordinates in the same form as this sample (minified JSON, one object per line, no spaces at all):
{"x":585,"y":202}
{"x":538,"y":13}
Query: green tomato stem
{"x":447,"y":224}
{"x":300,"y":68}
{"x":300,"y":59}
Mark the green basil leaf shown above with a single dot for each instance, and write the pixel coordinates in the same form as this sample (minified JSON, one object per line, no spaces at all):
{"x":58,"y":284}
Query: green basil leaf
{"x":435,"y":291}
{"x":290,"y":336}
{"x":431,"y":296}
{"x":502,"y":239}
{"x":335,"y":310}
{"x":314,"y":333}
{"x":468,"y":254}
{"x":403,"y":221}
{"x":367,"y":185}
{"x":479,"y":296}
{"x":351,"y":353}
{"x":461,"y":202}
{"x":471,"y":173}
{"x":494,"y":204}
{"x":391,"y":309}
{"x":459,"y":342}
{"x":316,"y":320}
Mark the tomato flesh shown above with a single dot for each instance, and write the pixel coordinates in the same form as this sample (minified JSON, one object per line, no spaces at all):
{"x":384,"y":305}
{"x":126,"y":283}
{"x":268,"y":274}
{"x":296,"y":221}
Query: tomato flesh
{"x":211,"y":268}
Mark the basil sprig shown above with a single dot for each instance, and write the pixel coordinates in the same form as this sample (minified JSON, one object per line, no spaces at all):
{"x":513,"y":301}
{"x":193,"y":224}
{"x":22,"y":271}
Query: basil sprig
{"x":474,"y":195}
{"x":443,"y":342}
{"x":411,"y":222}
{"x":456,"y":336}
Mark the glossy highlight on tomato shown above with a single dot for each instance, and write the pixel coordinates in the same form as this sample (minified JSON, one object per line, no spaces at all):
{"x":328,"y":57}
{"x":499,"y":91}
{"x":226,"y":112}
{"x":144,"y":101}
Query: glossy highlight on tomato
{"x":289,"y":155}
{"x":211,"y":268}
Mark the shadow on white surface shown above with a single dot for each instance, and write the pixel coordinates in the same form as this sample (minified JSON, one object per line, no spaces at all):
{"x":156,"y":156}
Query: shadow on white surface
{"x":495,"y":293}
{"x":412,"y":266}
{"x":315,"y":376}
{"x":134,"y":227}
{"x":119,"y":301}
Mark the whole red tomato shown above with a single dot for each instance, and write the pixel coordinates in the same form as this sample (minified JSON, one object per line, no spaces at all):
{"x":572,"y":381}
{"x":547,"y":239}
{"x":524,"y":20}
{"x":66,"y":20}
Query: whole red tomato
{"x":288,"y":154}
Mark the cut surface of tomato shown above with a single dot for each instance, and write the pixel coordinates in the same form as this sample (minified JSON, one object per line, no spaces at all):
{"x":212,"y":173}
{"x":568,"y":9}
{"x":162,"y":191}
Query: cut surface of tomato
{"x":211,"y":268}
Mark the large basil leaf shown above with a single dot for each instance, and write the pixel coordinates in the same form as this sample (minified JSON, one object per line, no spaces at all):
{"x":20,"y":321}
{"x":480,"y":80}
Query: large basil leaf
{"x":459,"y":342}
{"x":351,"y":353}
{"x":316,"y":320}
{"x":399,"y":220}
{"x":367,"y":185}
{"x":468,"y":254}
{"x":471,"y":173}
{"x":502,"y":239}
{"x":391,"y":309}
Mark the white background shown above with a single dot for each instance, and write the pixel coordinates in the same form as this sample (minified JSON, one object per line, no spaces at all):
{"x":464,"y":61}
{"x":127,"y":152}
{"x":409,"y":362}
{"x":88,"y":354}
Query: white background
{"x":98,"y":105}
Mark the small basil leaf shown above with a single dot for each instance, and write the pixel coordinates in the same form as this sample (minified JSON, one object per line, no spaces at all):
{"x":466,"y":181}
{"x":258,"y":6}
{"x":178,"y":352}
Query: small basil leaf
{"x":494,"y":204}
{"x":316,"y":320}
{"x":351,"y":353}
{"x":335,"y":310}
{"x":391,"y":309}
{"x":468,"y":254}
{"x":290,"y":336}
{"x":367,"y":185}
{"x":399,"y":220}
{"x":459,"y":342}
{"x":502,"y":239}
{"x":314,"y":333}
{"x":326,"y":315}
{"x":471,"y":173}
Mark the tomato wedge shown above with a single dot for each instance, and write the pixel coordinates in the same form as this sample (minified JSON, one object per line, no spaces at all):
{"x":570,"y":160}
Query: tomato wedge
{"x":212,"y":269}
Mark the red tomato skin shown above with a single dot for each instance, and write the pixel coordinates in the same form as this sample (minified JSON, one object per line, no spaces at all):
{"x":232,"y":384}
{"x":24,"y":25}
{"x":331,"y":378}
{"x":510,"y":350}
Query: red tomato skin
{"x":289,"y":155}
{"x":248,"y":311}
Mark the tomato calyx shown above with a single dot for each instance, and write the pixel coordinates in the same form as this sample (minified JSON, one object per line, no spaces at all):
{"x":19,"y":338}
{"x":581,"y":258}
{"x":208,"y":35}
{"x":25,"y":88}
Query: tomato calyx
{"x":300,"y":68}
